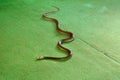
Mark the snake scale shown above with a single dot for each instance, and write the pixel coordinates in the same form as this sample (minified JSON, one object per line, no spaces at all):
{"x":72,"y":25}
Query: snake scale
{"x":69,"y":39}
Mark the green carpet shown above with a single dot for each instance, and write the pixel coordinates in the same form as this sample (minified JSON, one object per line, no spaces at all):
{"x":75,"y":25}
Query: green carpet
{"x":24,"y":35}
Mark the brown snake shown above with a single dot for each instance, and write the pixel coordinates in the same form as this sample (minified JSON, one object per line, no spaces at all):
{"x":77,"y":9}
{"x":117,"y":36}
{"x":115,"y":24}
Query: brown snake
{"x":70,"y":38}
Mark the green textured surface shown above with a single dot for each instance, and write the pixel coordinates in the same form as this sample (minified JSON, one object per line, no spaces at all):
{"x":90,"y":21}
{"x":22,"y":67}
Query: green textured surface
{"x":25,"y":35}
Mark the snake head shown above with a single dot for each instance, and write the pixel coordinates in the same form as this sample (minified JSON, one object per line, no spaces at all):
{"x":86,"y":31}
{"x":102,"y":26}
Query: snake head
{"x":40,"y":57}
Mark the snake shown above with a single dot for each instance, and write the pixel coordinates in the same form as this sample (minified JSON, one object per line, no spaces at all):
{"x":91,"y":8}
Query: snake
{"x":60,"y":42}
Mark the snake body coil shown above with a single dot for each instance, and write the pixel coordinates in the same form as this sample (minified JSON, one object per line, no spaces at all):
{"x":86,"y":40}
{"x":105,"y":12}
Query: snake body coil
{"x":70,"y":38}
